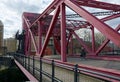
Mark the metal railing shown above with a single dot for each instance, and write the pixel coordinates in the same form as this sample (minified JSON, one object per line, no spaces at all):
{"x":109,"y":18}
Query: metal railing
{"x":37,"y":71}
{"x":46,"y":70}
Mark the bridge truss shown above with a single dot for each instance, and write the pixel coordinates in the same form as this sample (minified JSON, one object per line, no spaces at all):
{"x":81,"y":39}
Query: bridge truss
{"x":62,"y":28}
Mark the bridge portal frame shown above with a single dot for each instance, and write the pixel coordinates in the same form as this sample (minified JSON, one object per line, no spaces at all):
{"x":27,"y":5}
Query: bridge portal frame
{"x":75,"y":5}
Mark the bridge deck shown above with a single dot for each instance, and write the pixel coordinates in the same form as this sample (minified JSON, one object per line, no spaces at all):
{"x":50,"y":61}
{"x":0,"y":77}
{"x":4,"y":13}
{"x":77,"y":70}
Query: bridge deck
{"x":97,"y":63}
{"x":115,"y":65}
{"x":63,"y":71}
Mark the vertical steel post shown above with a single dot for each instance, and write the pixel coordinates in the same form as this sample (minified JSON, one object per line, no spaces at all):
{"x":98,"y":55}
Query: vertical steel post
{"x":40,"y":70}
{"x":19,"y":58}
{"x":71,"y":45}
{"x":27,"y":43}
{"x":40,"y":36}
{"x":22,"y":59}
{"x":25,"y":61}
{"x":28,"y":63}
{"x":93,"y":40}
{"x":76,"y":73}
{"x":33,"y":66}
{"x":63,"y":33}
{"x":109,"y":32}
{"x":53,"y":71}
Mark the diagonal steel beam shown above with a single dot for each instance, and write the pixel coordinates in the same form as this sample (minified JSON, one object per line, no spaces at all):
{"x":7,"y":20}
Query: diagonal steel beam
{"x":110,"y":17}
{"x":48,"y":10}
{"x":82,"y":42}
{"x":50,"y":29}
{"x":98,"y":4}
{"x":106,"y":41}
{"x":33,"y":39}
{"x":102,"y":27}
{"x":103,"y":19}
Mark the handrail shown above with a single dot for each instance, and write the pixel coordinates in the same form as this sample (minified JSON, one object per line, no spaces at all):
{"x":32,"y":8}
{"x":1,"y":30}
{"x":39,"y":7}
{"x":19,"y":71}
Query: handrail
{"x":71,"y":67}
{"x":93,"y":73}
{"x":35,"y":68}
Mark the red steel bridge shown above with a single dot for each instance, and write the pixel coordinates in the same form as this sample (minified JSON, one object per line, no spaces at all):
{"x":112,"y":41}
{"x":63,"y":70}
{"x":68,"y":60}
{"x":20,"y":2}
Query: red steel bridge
{"x":54,"y":23}
{"x":61,"y":27}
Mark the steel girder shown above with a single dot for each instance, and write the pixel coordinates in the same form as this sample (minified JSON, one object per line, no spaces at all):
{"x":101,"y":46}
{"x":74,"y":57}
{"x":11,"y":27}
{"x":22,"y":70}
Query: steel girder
{"x":52,"y":24}
{"x":75,"y":5}
{"x":95,"y":22}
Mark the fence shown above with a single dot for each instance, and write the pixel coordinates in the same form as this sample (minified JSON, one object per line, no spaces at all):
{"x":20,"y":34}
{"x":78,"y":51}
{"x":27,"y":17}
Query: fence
{"x":46,"y":70}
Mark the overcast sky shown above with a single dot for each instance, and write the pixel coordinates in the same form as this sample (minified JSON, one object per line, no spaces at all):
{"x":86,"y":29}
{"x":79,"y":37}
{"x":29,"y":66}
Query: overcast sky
{"x":11,"y":12}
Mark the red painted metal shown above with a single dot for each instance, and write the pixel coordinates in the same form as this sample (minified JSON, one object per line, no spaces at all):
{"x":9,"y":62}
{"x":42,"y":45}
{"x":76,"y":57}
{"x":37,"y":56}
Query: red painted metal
{"x":106,"y":41}
{"x":82,"y":43}
{"x":93,"y":40}
{"x":95,"y":22}
{"x":57,"y":25}
{"x":29,"y":75}
{"x":69,"y":66}
{"x":40,"y":36}
{"x":63,"y":33}
{"x":48,"y":10}
{"x":97,"y":4}
{"x":50,"y":29}
{"x":33,"y":38}
{"x":57,"y":45}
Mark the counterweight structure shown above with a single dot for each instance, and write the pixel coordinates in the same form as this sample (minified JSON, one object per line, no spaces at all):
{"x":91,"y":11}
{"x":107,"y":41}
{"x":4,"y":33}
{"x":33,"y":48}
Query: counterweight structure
{"x":62,"y":28}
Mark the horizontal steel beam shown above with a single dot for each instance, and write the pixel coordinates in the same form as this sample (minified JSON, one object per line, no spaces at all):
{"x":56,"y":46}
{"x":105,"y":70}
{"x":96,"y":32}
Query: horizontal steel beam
{"x":98,"y":4}
{"x":95,"y":14}
{"x":101,"y":26}
{"x":48,"y":10}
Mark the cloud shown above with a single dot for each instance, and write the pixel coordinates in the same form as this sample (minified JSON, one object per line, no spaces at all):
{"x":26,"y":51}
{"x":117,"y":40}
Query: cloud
{"x":20,"y":6}
{"x":114,"y":22}
{"x":11,"y":12}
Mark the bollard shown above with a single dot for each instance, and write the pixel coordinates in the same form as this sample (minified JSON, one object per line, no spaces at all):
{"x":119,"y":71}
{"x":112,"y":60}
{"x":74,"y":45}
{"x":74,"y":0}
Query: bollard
{"x":40,"y":70}
{"x":53,"y":71}
{"x":76,"y":73}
